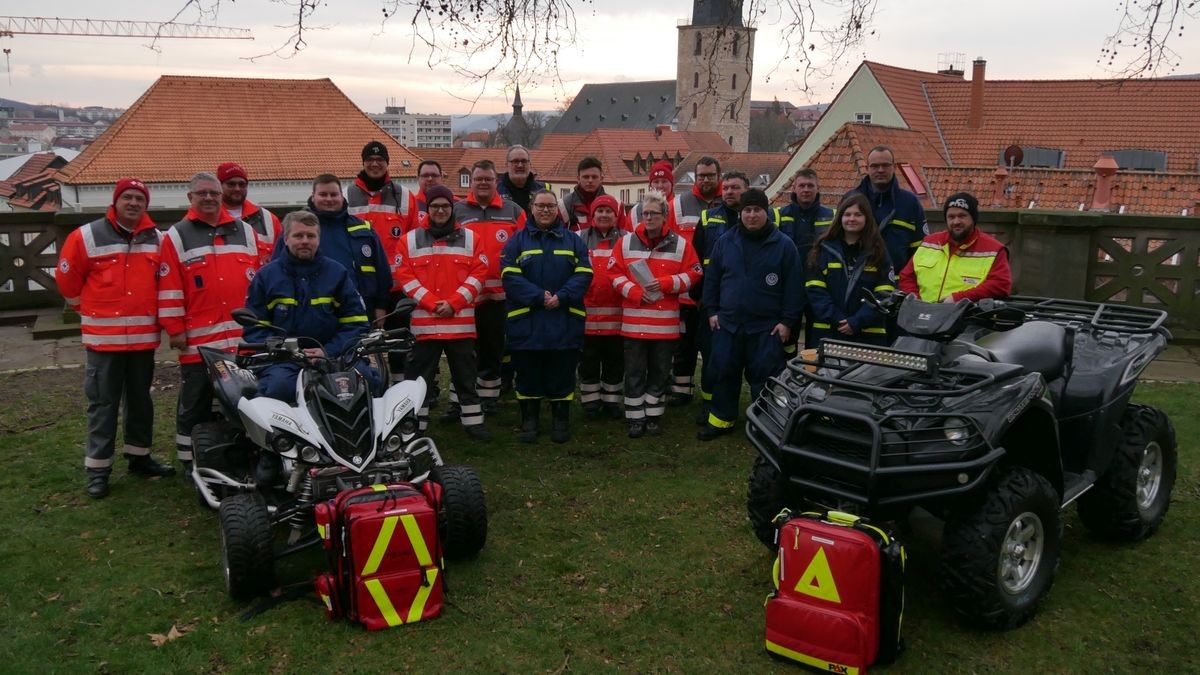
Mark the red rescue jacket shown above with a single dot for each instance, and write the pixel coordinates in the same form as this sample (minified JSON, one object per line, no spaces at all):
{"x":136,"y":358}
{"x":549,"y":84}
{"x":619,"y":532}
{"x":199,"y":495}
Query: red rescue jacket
{"x":494,"y":223}
{"x":673,"y":262}
{"x":110,"y":277}
{"x":431,"y":270}
{"x":203,"y":276}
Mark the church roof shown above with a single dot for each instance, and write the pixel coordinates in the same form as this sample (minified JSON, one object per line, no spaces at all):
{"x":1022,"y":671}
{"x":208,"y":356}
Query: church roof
{"x":619,"y":105}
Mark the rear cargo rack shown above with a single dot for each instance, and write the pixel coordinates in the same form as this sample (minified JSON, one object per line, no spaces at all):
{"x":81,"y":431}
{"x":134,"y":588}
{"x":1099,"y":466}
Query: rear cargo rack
{"x":1098,"y":315}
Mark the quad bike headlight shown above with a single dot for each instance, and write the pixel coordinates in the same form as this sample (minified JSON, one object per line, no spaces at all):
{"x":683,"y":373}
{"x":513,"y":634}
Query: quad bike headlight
{"x":408,"y":425}
{"x":282,"y":443}
{"x":309,"y":454}
{"x":956,"y":430}
{"x":392,"y":444}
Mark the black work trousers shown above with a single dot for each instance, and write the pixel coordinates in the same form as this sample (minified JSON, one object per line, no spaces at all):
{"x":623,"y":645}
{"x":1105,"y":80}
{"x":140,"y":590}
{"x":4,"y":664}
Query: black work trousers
{"x":109,"y":378}
{"x":683,"y":365}
{"x":601,"y":369}
{"x":545,"y":373}
{"x":460,"y":354}
{"x":489,"y":346}
{"x":647,"y":377}
{"x":194,"y":406}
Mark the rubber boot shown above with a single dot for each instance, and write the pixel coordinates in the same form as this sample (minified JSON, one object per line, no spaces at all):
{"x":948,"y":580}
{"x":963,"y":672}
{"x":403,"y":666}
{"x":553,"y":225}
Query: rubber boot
{"x":97,"y":483}
{"x":560,"y":429}
{"x":531,"y":410}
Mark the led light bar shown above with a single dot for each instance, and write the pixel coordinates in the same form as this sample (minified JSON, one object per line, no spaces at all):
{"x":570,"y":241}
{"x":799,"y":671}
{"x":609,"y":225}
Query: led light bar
{"x":880,"y":356}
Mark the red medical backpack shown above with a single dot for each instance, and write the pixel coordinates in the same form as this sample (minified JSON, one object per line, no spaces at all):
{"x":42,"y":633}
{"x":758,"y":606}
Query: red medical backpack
{"x":839,"y":597}
{"x":385,"y":555}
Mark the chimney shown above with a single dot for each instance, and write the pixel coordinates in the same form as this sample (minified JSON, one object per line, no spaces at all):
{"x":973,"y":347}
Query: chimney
{"x":975,"y":112}
{"x":1106,"y":168}
{"x":999,"y":178}
{"x":661,"y":129}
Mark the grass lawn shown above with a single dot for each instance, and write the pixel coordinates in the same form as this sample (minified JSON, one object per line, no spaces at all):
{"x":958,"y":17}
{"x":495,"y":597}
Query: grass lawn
{"x":603,"y":554}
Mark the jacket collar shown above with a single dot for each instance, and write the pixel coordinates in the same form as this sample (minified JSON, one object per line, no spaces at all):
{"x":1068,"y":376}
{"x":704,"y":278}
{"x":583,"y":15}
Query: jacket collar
{"x":144,"y":224}
{"x":223,"y":218}
{"x":496,"y":202}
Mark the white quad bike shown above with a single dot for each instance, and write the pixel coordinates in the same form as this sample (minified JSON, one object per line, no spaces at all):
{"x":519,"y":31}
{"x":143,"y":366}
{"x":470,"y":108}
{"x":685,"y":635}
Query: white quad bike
{"x":263,"y":464}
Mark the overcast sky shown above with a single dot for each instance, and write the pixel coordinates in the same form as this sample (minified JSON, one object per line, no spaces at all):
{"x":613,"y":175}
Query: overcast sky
{"x":625,"y":40}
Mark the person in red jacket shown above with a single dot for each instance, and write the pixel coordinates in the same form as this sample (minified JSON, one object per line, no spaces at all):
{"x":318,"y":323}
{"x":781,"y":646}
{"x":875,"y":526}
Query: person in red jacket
{"x":600,"y":367}
{"x":392,"y":210}
{"x":234,"y":186}
{"x":652,"y":267}
{"x":107,"y":273}
{"x":960,"y":263}
{"x":207,"y":262}
{"x":442,"y":267}
{"x":493,"y":219}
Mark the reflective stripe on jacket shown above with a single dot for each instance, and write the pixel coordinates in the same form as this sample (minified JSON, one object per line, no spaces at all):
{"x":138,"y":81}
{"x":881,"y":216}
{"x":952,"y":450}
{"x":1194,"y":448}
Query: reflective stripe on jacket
{"x":835,"y":292}
{"x":203,"y":276}
{"x":494,"y":223}
{"x":900,"y":217}
{"x":673,"y":262}
{"x":266,"y":227}
{"x":392,"y":211}
{"x":313,"y":299}
{"x":975,"y":270}
{"x":430,"y":270}
{"x":536,"y":262}
{"x":602,"y":302}
{"x":111,"y":278}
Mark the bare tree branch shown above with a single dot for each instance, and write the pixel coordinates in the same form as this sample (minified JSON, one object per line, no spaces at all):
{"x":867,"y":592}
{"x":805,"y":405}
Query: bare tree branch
{"x":1140,"y":45}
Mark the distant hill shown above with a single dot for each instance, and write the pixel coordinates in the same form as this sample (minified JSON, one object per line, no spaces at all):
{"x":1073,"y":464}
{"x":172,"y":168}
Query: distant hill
{"x":465,"y":124}
{"x":17,"y":105}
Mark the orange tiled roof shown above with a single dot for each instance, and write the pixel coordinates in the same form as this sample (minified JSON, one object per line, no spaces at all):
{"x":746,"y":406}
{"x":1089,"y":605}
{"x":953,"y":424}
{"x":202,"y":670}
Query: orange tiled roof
{"x":904,"y":87}
{"x":842,"y":161}
{"x":1066,"y":189}
{"x":1083,"y":117}
{"x":277,"y":130}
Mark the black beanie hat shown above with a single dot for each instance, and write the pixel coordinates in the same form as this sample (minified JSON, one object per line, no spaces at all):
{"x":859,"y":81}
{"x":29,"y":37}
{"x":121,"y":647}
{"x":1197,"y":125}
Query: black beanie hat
{"x":375,"y":148}
{"x":755,"y":197}
{"x":966,"y":201}
{"x":439,"y":191}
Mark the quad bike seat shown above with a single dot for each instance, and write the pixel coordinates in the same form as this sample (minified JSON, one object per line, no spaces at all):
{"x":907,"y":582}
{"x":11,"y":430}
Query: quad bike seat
{"x":1036,"y":346}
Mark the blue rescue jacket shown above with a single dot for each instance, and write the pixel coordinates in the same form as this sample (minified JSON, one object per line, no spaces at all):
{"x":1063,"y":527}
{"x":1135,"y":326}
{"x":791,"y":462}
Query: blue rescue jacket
{"x":753,"y":285}
{"x":352,"y":243}
{"x":314,"y":299}
{"x":535,"y":261}
{"x":835,"y":292}
{"x":900,"y":216}
{"x":804,"y":226}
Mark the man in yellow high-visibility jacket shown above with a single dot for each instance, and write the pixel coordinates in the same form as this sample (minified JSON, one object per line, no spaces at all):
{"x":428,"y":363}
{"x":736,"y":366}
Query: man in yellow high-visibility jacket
{"x":961,"y":262}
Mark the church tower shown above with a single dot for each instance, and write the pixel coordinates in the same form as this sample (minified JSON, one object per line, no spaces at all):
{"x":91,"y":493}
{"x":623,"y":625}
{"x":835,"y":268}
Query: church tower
{"x":715,"y":67}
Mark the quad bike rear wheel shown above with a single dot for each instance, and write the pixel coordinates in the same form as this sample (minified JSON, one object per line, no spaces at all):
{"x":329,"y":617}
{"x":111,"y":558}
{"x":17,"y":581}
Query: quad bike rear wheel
{"x":999,"y":557}
{"x":246,"y":545}
{"x":1131,"y":499}
{"x":463,"y":516}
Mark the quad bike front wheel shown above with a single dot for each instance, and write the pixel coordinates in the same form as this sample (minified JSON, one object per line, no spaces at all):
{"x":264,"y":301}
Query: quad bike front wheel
{"x":1131,"y":499}
{"x":210,"y":441}
{"x":764,"y":501}
{"x":463,"y":516}
{"x":246,"y":552}
{"x":999,"y":558}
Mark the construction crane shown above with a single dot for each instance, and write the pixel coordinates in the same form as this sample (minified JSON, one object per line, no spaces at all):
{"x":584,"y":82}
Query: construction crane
{"x":38,"y":25}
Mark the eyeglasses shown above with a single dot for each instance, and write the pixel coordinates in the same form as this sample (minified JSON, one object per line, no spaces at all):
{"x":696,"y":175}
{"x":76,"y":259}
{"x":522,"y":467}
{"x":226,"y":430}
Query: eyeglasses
{"x":545,"y":207}
{"x":440,"y":207}
{"x":206,"y":193}
{"x":652,"y":213}
{"x":518,"y":161}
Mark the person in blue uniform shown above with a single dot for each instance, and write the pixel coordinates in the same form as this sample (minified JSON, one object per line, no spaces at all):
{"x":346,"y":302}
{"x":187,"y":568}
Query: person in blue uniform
{"x":311,"y":297}
{"x":546,"y":271}
{"x":753,"y":296}
{"x":850,"y":258}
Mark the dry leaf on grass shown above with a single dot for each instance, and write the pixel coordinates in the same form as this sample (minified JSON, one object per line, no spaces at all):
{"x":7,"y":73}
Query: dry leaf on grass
{"x":174,"y":634}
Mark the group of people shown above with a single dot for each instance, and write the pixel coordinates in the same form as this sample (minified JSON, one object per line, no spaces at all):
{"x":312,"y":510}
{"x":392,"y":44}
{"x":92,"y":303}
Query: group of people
{"x":515,"y":286}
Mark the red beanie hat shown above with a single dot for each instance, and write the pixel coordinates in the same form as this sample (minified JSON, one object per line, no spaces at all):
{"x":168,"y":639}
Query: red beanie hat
{"x":604,"y":200}
{"x":231,"y":170}
{"x":662,"y":169}
{"x":131,"y":184}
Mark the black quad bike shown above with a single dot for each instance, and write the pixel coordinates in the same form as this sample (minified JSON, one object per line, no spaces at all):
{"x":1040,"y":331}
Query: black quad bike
{"x":264,"y":464}
{"x":993,"y":416}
